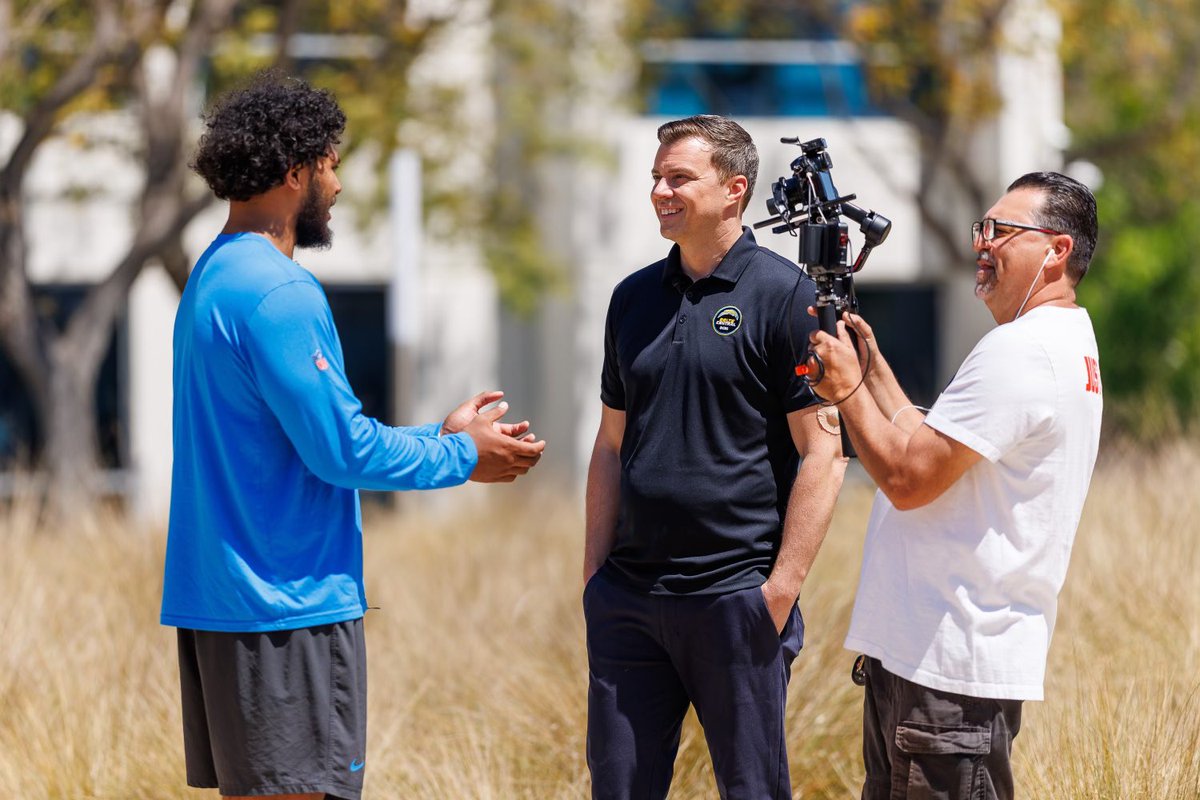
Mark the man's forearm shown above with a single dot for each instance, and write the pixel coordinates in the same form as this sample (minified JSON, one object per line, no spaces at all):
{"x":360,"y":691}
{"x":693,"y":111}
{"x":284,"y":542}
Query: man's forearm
{"x":879,"y":444}
{"x":602,"y":502}
{"x":809,"y":511}
{"x":893,"y":403}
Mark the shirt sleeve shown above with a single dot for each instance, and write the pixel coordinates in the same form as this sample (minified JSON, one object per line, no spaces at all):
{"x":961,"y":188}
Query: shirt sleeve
{"x":1003,"y":393}
{"x":789,"y":346}
{"x":612,"y":387}
{"x":430,"y":429}
{"x":296,"y":356}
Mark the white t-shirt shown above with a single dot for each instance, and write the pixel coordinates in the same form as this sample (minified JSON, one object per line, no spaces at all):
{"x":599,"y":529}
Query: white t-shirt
{"x":960,"y":595}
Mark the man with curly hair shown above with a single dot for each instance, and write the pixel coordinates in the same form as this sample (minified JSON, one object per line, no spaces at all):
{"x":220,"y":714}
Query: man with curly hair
{"x":263,"y":573}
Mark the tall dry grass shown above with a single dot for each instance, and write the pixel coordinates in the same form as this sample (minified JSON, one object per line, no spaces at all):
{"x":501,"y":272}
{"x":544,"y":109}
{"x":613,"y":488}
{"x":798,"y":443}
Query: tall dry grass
{"x":478,"y":671}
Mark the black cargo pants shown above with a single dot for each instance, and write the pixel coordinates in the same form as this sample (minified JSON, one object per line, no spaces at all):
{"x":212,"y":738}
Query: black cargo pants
{"x":925,"y":744}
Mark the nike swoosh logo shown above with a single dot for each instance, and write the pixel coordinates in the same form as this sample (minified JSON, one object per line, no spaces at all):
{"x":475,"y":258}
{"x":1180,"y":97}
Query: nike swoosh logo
{"x":356,"y":765}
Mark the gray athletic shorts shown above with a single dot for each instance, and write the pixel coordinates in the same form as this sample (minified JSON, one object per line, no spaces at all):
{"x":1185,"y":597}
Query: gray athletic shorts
{"x":282,"y":712}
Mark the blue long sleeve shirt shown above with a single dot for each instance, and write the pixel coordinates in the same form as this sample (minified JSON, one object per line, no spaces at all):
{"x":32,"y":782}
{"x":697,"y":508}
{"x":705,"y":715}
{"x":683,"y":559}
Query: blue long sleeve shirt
{"x":270,"y":449}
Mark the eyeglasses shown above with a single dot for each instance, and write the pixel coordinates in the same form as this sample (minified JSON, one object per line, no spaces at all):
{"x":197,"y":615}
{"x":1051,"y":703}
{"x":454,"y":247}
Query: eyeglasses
{"x":986,"y":229}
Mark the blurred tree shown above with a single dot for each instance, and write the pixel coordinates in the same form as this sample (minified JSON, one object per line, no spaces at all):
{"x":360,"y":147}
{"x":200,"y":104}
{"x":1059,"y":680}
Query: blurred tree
{"x":60,"y":61}
{"x":531,"y":73}
{"x":740,"y":19}
{"x":1133,"y":105}
{"x":63,"y":61}
{"x":933,"y":64}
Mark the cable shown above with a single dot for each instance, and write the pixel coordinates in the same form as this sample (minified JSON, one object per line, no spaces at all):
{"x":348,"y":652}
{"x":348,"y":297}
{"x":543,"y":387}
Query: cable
{"x":902,"y":409}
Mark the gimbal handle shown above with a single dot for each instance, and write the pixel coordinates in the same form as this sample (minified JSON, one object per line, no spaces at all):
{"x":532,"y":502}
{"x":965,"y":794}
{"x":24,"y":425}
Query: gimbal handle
{"x":827,"y":320}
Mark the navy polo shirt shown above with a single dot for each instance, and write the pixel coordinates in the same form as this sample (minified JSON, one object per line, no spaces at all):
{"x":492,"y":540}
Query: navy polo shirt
{"x":705,"y":374}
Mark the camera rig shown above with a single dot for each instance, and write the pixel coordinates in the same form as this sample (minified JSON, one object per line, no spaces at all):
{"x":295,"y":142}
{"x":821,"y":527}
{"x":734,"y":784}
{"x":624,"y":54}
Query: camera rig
{"x":808,"y":206}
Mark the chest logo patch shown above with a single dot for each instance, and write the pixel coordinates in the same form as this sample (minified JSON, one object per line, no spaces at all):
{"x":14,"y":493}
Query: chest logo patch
{"x":727,"y":320}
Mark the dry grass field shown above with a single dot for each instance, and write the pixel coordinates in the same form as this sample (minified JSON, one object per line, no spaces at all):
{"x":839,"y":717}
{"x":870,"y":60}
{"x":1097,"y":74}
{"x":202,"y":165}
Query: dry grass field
{"x":478,"y":670}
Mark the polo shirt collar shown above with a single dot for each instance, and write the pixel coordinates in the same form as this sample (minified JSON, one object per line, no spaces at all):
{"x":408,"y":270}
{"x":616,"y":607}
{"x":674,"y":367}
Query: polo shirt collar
{"x":729,"y":270}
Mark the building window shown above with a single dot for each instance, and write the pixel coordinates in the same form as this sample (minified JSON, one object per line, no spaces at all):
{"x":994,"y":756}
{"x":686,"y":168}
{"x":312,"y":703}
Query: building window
{"x":757,"y":58}
{"x":757,"y":90}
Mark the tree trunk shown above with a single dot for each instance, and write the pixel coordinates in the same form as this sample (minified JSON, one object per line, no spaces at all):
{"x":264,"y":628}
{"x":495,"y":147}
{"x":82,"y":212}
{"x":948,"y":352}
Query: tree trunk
{"x":70,"y":452}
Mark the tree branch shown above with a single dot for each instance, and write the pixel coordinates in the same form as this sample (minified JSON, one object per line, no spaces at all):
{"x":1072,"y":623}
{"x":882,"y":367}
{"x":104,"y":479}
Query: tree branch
{"x":20,"y":331}
{"x":165,"y":209}
{"x":6,"y":28}
{"x":106,"y":299}
{"x":175,"y":261}
{"x":106,"y":44}
{"x":289,"y":23}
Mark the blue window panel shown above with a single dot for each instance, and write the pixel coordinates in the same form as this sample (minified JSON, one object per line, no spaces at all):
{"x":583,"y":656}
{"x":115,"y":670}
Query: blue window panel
{"x":679,"y":93}
{"x":774,"y":90}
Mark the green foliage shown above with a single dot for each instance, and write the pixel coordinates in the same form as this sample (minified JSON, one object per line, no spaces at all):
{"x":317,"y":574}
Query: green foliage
{"x":930,"y":58}
{"x":1133,"y":106}
{"x":532,"y":48}
{"x":43,"y":41}
{"x":740,"y":19}
{"x":1143,"y":296}
{"x":532,"y":81}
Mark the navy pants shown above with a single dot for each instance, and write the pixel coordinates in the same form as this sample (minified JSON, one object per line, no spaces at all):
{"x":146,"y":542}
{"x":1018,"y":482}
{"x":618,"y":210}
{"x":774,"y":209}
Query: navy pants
{"x":650,"y":656}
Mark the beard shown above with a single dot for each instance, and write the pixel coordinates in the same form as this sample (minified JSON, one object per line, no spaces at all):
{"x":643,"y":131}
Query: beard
{"x":312,"y":228}
{"x":985,"y":280}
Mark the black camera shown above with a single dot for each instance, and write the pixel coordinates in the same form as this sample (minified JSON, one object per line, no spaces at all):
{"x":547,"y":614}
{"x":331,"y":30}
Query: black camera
{"x":807,"y":205}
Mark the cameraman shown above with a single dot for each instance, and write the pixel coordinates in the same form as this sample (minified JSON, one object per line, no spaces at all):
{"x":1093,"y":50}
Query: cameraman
{"x":969,"y":539}
{"x":700,"y":529}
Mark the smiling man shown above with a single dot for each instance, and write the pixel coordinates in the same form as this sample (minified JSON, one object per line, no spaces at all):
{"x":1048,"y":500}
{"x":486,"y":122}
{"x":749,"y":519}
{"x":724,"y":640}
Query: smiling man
{"x":700,"y":529}
{"x":969,"y":539}
{"x":264,"y":563}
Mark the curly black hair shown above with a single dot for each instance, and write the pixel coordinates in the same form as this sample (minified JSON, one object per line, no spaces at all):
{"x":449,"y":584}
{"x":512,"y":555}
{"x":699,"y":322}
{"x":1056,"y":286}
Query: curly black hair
{"x":255,"y":135}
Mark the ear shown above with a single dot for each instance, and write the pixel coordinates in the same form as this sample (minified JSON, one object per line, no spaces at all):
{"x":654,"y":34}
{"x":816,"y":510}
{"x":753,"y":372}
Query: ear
{"x":735,"y":189}
{"x":1060,"y":249}
{"x":292,"y":179}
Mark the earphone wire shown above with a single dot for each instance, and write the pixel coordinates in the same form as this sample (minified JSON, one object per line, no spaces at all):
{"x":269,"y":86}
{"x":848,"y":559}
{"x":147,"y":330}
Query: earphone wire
{"x":1029,"y":294}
